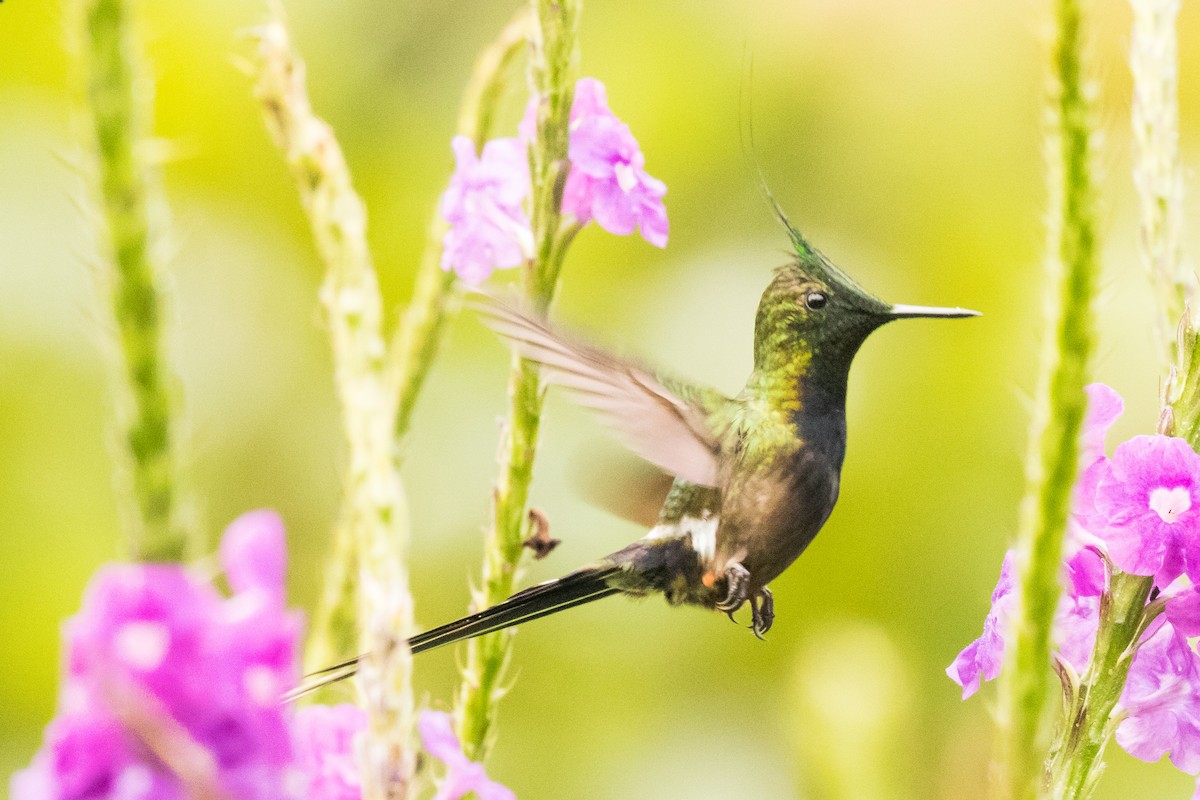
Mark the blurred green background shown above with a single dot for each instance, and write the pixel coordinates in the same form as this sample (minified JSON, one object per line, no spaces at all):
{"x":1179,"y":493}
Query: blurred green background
{"x":903,"y":138}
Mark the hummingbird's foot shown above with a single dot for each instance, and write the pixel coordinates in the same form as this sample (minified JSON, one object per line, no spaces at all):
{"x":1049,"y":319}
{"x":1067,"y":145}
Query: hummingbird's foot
{"x":762,"y":609}
{"x":737,"y":581}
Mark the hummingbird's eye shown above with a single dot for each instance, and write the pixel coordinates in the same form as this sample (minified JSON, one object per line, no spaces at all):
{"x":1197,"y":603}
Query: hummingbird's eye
{"x":816,"y":300}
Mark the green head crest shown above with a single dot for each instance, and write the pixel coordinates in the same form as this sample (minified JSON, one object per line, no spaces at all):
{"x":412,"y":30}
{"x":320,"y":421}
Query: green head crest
{"x":813,"y":304}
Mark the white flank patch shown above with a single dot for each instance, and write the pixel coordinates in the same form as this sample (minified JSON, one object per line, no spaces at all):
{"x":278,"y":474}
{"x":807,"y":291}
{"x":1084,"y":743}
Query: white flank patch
{"x":703,"y":533}
{"x":142,"y":645}
{"x":662,"y":532}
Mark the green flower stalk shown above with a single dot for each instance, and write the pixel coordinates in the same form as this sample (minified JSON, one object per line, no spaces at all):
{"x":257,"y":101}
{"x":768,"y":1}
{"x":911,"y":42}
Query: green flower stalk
{"x":434,"y":303}
{"x":375,"y":514}
{"x":119,"y":120}
{"x":416,"y":339}
{"x":1054,"y":451}
{"x":1077,"y":758}
{"x":553,"y":70}
{"x":1181,"y":392}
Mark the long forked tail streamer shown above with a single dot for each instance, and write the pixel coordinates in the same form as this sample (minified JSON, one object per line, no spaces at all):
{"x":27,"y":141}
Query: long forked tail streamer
{"x":574,"y":589}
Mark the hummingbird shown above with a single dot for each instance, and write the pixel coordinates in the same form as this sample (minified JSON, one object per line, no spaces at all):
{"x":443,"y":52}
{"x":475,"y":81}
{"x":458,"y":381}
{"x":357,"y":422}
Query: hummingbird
{"x":756,"y":475}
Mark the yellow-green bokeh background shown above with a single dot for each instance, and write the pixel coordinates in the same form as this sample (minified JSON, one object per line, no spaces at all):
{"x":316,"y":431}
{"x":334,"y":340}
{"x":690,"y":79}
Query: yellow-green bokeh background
{"x":903,"y":138}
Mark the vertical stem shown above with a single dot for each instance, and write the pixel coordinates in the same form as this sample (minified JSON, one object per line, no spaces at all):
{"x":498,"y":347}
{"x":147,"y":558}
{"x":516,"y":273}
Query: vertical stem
{"x":375,"y":511}
{"x":1079,"y":755}
{"x":1079,"y":761}
{"x":119,"y":121}
{"x":1157,"y":172}
{"x":420,"y":330}
{"x":552,"y":74}
{"x":1181,"y":392}
{"x":1054,"y":452}
{"x":416,"y":339}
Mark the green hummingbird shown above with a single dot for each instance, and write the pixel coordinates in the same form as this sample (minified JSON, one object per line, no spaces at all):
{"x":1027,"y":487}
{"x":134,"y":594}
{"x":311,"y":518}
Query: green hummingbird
{"x":755,"y":476}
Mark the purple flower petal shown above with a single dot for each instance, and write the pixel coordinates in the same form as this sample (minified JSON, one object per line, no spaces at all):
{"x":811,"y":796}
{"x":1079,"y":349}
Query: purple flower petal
{"x":981,"y":660}
{"x":608,"y":182}
{"x":1075,"y":624}
{"x":254,"y":553}
{"x":325,"y":737}
{"x":591,"y":99}
{"x":463,"y":776}
{"x":157,"y":661}
{"x":1105,"y":406}
{"x":436,"y":729}
{"x":488,"y":227}
{"x":1162,"y":701}
{"x":1183,"y":611}
{"x":1086,"y":574}
{"x":1149,"y":501}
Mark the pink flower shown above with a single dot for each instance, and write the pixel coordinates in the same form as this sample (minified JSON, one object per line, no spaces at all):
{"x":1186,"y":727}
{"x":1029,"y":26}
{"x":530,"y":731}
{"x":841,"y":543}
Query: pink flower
{"x":1148,"y":508}
{"x":1162,"y":701}
{"x":463,"y":776}
{"x":981,"y":659}
{"x":1183,"y":611}
{"x":253,"y":552}
{"x":1075,"y":621}
{"x":1078,"y":615}
{"x":325,"y":750}
{"x":165,"y":677}
{"x":489,"y":228}
{"x":1105,"y":406}
{"x":1086,"y":578}
{"x":608,"y":181}
{"x":1086,"y":575}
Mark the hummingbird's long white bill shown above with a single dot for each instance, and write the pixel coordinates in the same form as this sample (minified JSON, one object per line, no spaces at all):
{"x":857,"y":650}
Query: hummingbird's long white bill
{"x":931,"y":311}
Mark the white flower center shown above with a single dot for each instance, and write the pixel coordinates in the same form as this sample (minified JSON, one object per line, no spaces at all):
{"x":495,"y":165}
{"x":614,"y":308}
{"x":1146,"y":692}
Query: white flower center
{"x":626,"y":178}
{"x":142,"y":645}
{"x":260,"y":684}
{"x":1169,"y":504}
{"x":134,"y":781}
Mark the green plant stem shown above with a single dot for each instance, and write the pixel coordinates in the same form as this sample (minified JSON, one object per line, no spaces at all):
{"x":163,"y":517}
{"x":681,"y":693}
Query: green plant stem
{"x":1078,"y":759}
{"x":553,"y":68}
{"x":433,"y":305}
{"x":552,"y":73}
{"x":374,"y":508}
{"x":415,"y":341}
{"x":1054,"y":452}
{"x":119,"y":121}
{"x":1181,"y":392}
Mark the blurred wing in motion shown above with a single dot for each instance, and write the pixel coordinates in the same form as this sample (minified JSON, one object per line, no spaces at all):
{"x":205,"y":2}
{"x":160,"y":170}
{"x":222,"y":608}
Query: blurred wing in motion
{"x":620,"y":483}
{"x":665,"y":423}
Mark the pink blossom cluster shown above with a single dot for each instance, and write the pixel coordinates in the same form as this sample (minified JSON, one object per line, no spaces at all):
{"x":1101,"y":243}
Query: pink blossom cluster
{"x":608,"y":183}
{"x":172,"y":690}
{"x":1139,"y":512}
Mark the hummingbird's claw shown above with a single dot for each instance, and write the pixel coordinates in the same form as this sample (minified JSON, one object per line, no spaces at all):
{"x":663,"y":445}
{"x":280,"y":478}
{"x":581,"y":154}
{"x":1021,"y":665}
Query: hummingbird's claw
{"x":762,"y":609}
{"x":737,"y":581}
